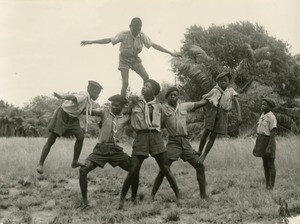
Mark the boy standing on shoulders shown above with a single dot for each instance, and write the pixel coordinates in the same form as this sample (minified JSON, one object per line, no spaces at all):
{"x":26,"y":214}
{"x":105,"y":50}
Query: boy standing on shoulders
{"x":132,"y":42}
{"x":65,"y":121}
{"x":107,"y":150}
{"x":219,"y":101}
{"x":146,"y":115}
{"x":265,"y":145}
{"x":174,"y":119}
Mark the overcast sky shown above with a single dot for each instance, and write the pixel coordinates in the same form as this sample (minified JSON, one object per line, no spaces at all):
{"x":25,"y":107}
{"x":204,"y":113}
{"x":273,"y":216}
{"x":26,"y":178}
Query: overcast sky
{"x":40,"y":48}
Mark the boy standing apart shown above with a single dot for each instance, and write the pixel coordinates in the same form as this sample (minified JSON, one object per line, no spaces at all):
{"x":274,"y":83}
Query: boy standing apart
{"x":219,"y":101}
{"x":65,"y":121}
{"x":174,"y":119}
{"x":107,"y":150}
{"x":132,"y":42}
{"x":146,"y":121}
{"x":265,"y":145}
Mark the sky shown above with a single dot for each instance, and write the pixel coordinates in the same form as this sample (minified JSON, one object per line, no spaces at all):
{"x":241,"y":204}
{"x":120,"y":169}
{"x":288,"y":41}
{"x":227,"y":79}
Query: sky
{"x":40,"y":50}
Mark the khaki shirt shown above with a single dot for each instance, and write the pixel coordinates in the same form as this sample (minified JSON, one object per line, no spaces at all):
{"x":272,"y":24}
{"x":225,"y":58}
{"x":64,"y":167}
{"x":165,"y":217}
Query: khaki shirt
{"x":220,"y":98}
{"x":75,"y":109}
{"x":175,"y":119}
{"x":140,"y":117}
{"x":112,"y":127}
{"x":266,"y":123}
{"x":130,"y":45}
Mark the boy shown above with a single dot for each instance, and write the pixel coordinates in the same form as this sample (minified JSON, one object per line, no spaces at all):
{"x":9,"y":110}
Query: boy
{"x":174,"y":119}
{"x":132,"y":42}
{"x":107,"y":150}
{"x":146,"y":115}
{"x":219,"y":101}
{"x":265,"y":145}
{"x":65,"y":121}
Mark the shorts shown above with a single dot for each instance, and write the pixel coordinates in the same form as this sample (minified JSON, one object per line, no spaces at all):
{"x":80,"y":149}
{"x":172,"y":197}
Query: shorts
{"x":261,"y":144}
{"x":64,"y":125}
{"x":112,"y":154}
{"x":148,"y":143}
{"x":130,"y":62}
{"x":180,"y":147}
{"x":216,"y":120}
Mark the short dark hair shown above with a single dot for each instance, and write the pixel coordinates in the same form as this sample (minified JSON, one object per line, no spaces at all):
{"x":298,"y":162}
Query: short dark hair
{"x":136,"y":21}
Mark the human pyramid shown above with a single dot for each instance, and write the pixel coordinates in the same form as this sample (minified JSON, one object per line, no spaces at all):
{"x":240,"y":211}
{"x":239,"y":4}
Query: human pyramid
{"x":147,"y":116}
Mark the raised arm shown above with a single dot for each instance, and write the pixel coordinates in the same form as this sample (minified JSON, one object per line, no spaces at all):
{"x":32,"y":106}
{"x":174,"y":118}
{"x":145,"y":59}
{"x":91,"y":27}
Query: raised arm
{"x":65,"y":97}
{"x":160,"y":48}
{"x":101,"y":41}
{"x":238,"y":109}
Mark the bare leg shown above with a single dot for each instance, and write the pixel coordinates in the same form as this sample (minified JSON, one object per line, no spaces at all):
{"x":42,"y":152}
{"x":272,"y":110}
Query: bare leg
{"x":124,"y":74}
{"x":83,"y":171}
{"x":158,"y":181}
{"x":45,"y":151}
{"x":141,"y":71}
{"x":200,"y":170}
{"x":212,"y":138}
{"x":162,"y":162}
{"x":203,"y":141}
{"x":77,"y":151}
{"x":131,"y":179}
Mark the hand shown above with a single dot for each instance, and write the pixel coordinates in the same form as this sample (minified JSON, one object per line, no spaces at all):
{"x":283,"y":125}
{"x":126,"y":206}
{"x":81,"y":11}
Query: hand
{"x":57,"y":95}
{"x":240,"y":120}
{"x":134,"y":99}
{"x":84,"y":42}
{"x":176,"y":55}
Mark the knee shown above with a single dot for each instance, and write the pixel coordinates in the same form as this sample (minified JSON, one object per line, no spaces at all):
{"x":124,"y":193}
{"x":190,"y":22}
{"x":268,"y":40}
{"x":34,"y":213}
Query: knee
{"x":83,"y":171}
{"x":200,"y":168}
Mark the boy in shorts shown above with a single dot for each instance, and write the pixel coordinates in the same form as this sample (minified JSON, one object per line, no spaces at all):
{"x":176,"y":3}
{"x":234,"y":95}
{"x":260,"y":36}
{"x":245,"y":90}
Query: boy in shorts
{"x":219,"y":101}
{"x":65,"y":121}
{"x":107,"y":150}
{"x":174,"y":120}
{"x":146,"y":115}
{"x":132,"y":42}
{"x":265,"y":145}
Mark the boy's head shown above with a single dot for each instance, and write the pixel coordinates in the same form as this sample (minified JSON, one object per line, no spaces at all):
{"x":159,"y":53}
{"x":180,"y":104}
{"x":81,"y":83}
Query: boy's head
{"x":223,"y":79}
{"x":135,"y":26}
{"x":172,"y":95}
{"x":117,"y":103}
{"x":267,"y":104}
{"x":150,"y":88}
{"x":94,"y":89}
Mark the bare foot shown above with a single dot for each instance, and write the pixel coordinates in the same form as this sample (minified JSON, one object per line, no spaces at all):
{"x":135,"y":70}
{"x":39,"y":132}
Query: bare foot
{"x":39,"y":169}
{"x":121,"y":205}
{"x":76,"y":164}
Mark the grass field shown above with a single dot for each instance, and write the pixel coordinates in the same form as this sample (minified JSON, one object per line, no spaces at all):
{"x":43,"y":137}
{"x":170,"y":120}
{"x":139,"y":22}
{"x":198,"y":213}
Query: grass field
{"x":235,"y":184}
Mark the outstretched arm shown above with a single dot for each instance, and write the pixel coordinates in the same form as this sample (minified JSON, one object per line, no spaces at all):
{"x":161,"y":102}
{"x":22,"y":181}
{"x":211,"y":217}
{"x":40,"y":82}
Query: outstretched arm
{"x":200,"y":103}
{"x":160,"y":48}
{"x":101,"y":41}
{"x":65,"y":97}
{"x":238,"y":109}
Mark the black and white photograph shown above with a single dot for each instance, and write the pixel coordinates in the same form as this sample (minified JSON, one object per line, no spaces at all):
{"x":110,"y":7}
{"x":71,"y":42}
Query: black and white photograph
{"x":150,"y":112}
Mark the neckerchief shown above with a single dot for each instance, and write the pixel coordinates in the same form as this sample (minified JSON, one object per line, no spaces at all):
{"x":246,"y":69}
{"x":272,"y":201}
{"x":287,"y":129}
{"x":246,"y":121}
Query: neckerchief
{"x":146,"y":111}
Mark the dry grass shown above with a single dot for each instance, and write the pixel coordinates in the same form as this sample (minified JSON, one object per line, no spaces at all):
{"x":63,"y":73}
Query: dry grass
{"x":234,"y":178}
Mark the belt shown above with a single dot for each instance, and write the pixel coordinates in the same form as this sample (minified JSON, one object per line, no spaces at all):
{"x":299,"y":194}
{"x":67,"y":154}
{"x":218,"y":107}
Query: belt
{"x":146,"y":131}
{"x":181,"y":136}
{"x":108,"y":143}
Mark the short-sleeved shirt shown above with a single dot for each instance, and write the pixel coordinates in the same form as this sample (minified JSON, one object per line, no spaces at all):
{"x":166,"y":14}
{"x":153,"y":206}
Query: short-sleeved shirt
{"x":141,"y":118}
{"x":175,"y":119}
{"x":130,"y":45}
{"x":74,"y":109}
{"x":266,"y":123}
{"x":112,"y":127}
{"x":220,"y":98}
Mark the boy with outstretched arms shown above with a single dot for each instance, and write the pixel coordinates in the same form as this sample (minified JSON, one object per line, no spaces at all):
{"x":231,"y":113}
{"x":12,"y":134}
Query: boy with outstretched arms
{"x":65,"y":121}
